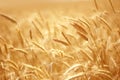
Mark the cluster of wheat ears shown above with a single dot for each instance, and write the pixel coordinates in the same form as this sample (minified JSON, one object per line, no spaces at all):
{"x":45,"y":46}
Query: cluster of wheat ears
{"x":85,"y":48}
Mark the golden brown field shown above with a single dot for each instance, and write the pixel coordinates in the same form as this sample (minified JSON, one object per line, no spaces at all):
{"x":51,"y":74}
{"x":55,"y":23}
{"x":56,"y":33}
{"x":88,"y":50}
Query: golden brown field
{"x":60,"y":40}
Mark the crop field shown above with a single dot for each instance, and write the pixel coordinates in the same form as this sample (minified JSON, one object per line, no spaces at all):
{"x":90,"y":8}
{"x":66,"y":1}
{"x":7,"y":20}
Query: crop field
{"x":60,"y":40}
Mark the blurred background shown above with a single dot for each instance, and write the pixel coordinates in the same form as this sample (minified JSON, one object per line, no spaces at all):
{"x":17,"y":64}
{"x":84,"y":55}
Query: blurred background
{"x":44,"y":3}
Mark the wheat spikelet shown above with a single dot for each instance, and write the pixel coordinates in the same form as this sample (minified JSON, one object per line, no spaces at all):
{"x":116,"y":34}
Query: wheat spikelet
{"x":89,"y":28}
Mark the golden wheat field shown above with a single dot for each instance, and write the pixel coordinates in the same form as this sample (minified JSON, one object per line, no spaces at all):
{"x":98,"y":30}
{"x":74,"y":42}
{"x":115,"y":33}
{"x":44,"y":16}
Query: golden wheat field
{"x":60,"y":40}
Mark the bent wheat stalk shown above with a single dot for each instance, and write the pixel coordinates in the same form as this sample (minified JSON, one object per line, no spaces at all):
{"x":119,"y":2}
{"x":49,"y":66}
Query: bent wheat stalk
{"x":72,"y":68}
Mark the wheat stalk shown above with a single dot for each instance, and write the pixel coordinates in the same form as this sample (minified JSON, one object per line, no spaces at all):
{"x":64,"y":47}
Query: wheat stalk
{"x":110,"y":1}
{"x":15,"y":66}
{"x":36,"y":44}
{"x":1,"y":52}
{"x":79,"y":28}
{"x":30,"y":33}
{"x":108,"y":26}
{"x":73,"y":60}
{"x":104,"y":74}
{"x":20,"y":36}
{"x":8,"y":18}
{"x":94,"y":23}
{"x":75,"y":76}
{"x":6,"y":48}
{"x":21,"y":50}
{"x":85,"y":22}
{"x":62,"y":42}
{"x":41,"y":35}
{"x":96,"y":6}
{"x":33,"y":67}
{"x":72,"y":68}
{"x":66,"y":38}
{"x":2,"y":39}
{"x":83,"y":35}
{"x":87,"y":55}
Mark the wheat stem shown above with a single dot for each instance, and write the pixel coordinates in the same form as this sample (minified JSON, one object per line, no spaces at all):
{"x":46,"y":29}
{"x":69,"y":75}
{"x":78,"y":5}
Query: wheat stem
{"x":8,"y":18}
{"x":66,"y":38}
{"x":96,"y":6}
{"x":62,"y":42}
{"x":41,"y":35}
{"x":110,"y":1}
